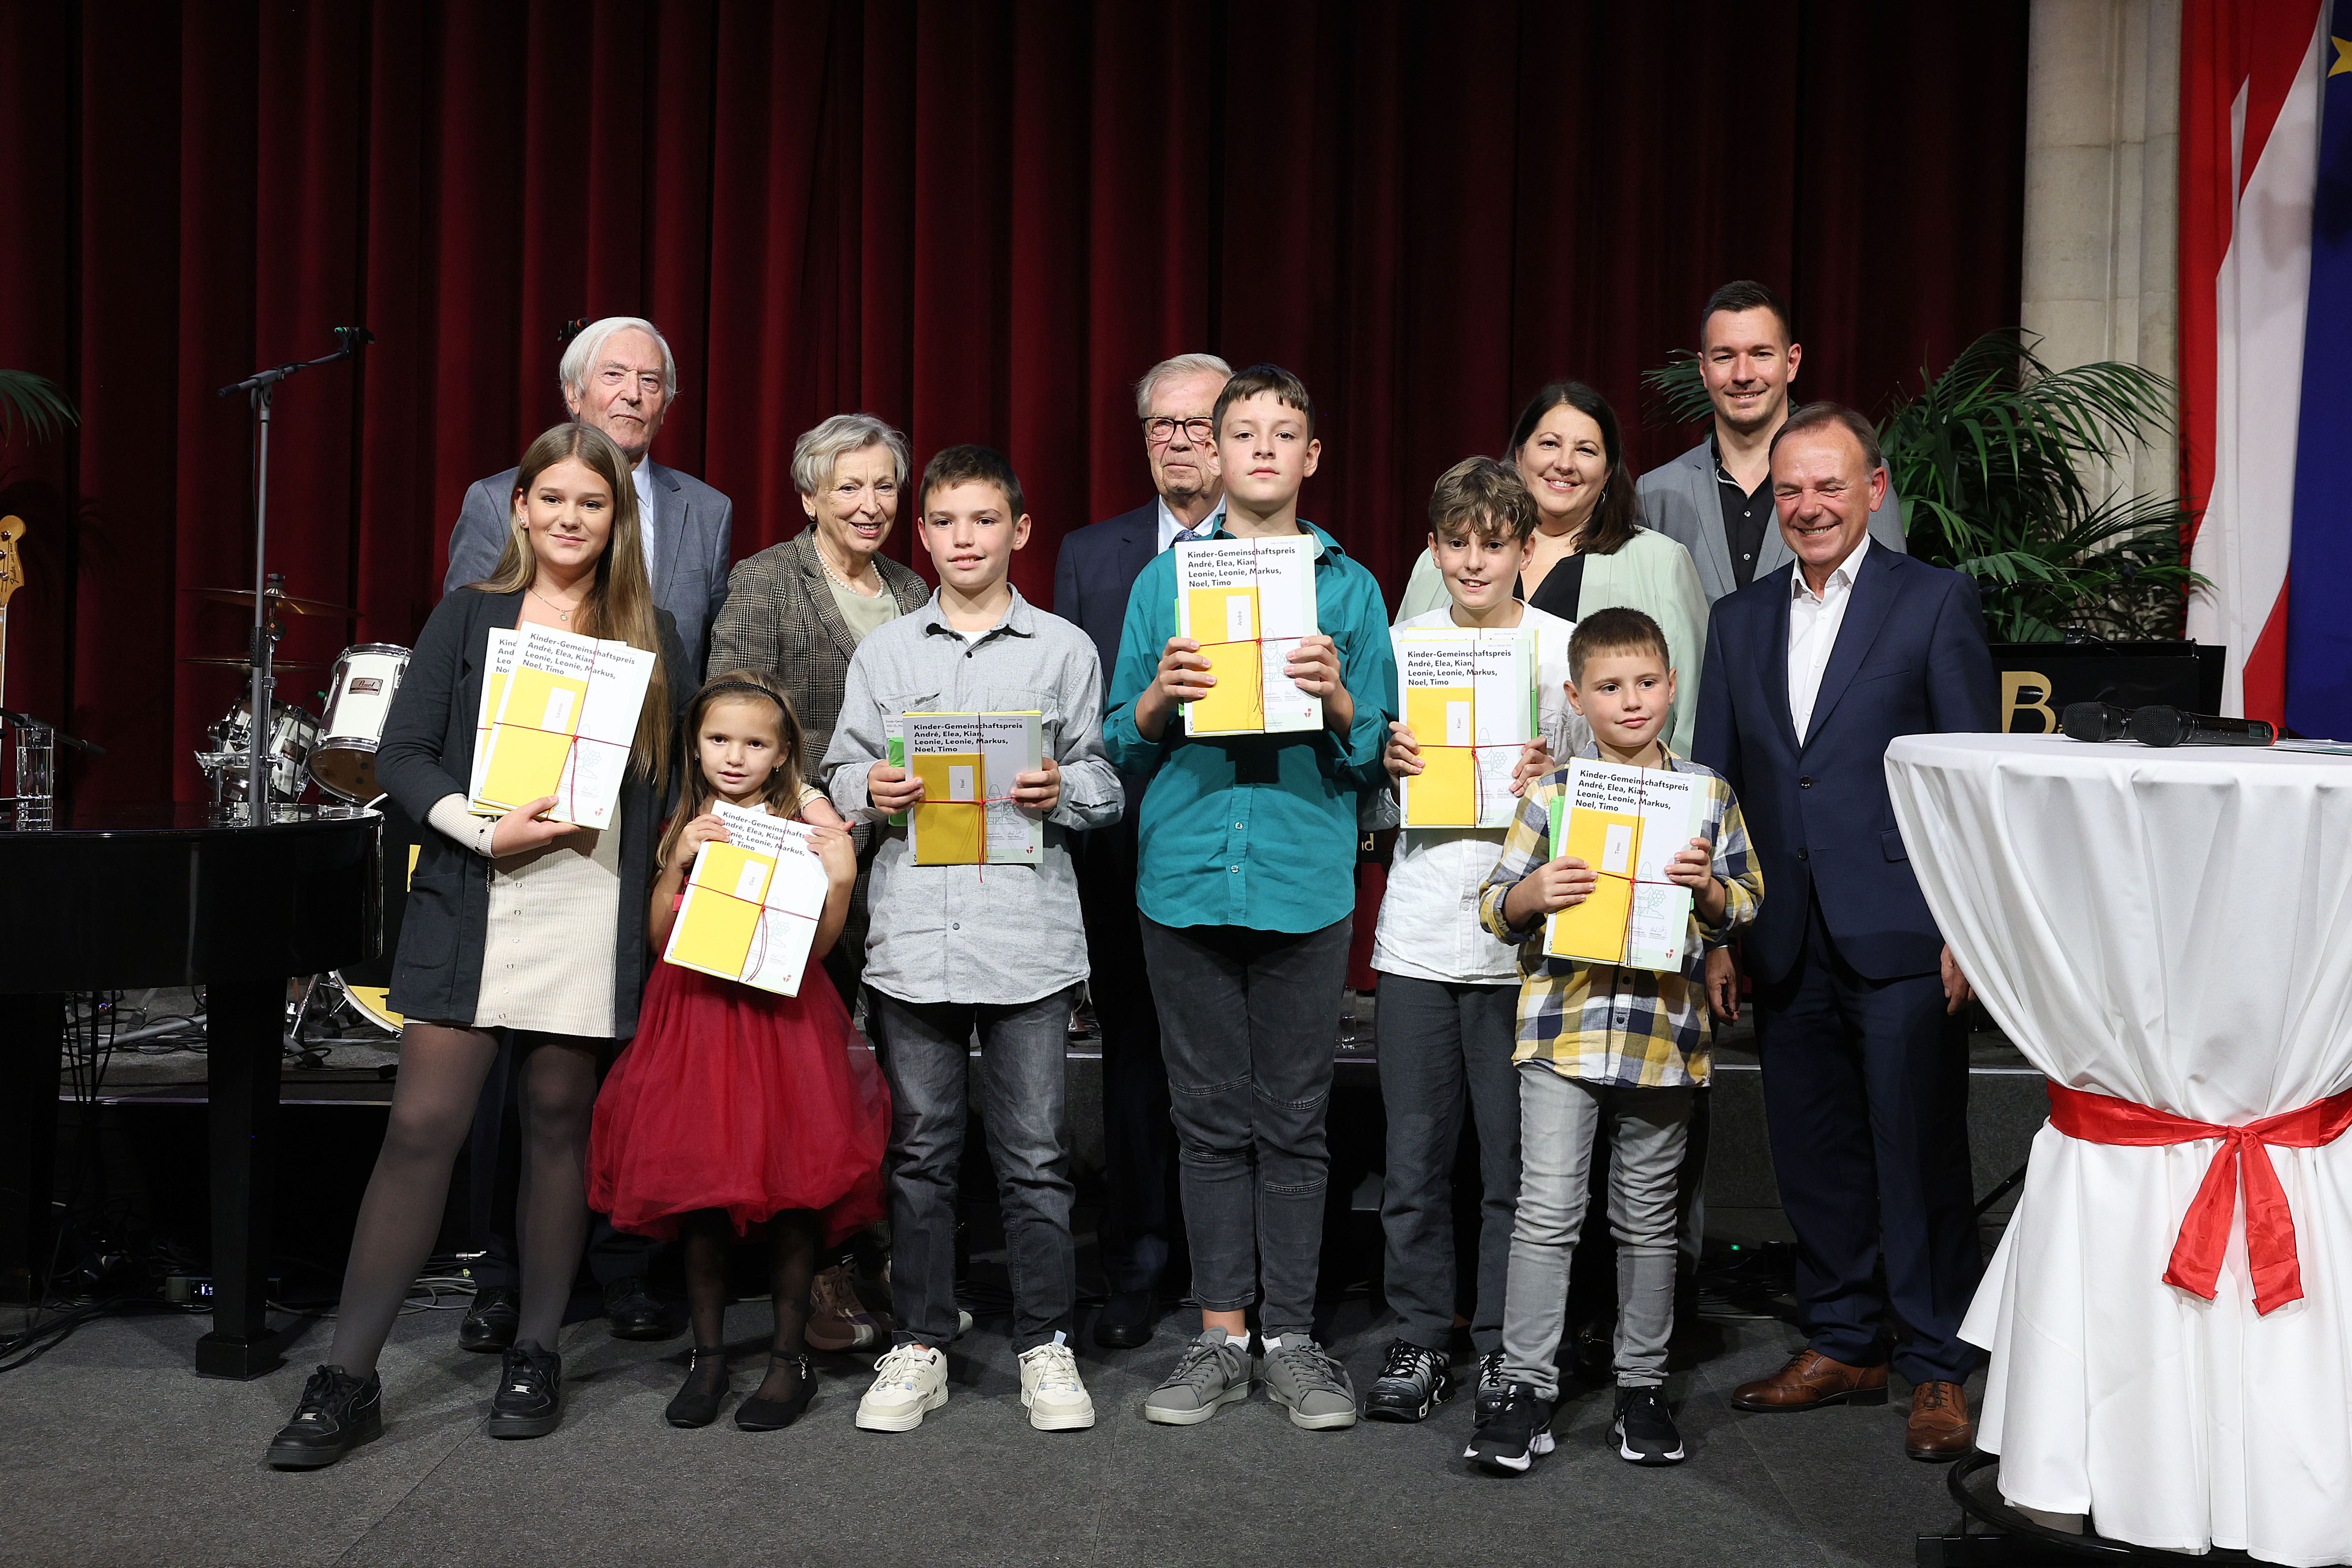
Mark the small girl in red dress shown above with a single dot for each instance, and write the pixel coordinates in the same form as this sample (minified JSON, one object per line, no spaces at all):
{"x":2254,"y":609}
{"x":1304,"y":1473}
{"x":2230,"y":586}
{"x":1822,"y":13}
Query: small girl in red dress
{"x":735,"y":1107}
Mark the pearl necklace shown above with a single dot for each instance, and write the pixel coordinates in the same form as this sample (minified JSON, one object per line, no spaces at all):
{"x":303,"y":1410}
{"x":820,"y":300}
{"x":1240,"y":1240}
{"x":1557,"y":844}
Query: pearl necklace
{"x":838,"y":577}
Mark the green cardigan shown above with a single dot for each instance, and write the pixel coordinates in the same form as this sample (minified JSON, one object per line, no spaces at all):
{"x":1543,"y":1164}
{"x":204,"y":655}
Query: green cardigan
{"x":1649,"y":572}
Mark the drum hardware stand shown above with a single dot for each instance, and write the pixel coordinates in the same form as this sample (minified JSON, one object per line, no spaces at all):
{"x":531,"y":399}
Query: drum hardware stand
{"x":261,"y":387}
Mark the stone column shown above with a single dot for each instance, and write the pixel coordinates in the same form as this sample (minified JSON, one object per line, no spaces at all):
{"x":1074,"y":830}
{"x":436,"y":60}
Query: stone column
{"x":2101,"y":196}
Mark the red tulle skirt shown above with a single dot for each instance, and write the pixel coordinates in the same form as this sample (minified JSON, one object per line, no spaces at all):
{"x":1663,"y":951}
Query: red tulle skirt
{"x":737,"y":1099}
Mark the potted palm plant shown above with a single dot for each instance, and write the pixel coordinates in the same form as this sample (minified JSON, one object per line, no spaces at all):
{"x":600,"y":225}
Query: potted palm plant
{"x":2083,"y":591}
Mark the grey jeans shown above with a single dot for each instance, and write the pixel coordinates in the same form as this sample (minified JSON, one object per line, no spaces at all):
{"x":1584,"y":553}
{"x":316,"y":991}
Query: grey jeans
{"x":1559,"y":1118}
{"x":1441,"y":1045}
{"x":1247,"y":1023}
{"x":1024,"y":1104}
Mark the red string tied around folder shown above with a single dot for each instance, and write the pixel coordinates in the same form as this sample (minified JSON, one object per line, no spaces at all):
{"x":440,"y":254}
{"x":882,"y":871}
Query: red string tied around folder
{"x":757,"y":954}
{"x":567,"y":773}
{"x":2239,"y":1164}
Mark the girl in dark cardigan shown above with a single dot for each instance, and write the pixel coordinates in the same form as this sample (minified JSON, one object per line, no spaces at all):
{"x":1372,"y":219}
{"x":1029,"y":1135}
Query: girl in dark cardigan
{"x":537,"y":927}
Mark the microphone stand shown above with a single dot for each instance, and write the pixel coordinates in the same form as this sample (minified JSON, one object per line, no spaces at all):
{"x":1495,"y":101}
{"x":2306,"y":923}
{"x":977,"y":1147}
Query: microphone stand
{"x":260,"y":387}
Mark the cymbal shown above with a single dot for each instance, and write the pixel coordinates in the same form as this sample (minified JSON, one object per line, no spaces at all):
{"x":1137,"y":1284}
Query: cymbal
{"x":239,"y":661}
{"x":276,"y":601}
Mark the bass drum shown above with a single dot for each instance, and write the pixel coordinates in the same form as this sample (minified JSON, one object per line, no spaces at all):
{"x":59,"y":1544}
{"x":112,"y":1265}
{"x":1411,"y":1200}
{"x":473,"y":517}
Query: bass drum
{"x":365,"y":986}
{"x":367,"y":675}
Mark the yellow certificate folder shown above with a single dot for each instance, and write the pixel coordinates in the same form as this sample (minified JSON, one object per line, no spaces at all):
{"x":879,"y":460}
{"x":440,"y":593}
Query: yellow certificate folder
{"x":1469,"y":699}
{"x":967,"y":764}
{"x":751,"y":906}
{"x":1248,"y":602}
{"x":532,"y":738}
{"x":1610,"y":842}
{"x":498,"y":660}
{"x":566,"y":719}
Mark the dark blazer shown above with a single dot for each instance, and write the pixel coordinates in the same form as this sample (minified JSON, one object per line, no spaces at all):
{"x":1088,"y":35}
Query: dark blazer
{"x":780,"y":618}
{"x":427,"y":752}
{"x":1098,"y":565}
{"x":1910,"y":659}
{"x":694,"y":538}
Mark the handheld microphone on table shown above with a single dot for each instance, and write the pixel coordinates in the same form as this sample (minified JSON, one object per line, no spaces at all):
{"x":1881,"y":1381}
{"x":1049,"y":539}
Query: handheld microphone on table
{"x":2158,"y":725}
{"x":2095,"y":722}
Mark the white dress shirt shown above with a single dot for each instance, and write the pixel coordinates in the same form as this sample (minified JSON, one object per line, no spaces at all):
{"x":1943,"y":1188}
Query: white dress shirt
{"x":1171,"y":525}
{"x":645,"y":484}
{"x":1429,"y":926}
{"x":1814,"y":623}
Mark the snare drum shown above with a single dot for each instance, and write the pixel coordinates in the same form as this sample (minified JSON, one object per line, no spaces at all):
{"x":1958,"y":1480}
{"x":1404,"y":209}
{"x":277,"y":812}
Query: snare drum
{"x":365,"y":677}
{"x":293,"y":734}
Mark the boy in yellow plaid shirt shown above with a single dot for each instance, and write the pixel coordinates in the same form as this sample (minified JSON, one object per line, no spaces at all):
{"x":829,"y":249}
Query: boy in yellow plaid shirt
{"x":1605,"y":1045}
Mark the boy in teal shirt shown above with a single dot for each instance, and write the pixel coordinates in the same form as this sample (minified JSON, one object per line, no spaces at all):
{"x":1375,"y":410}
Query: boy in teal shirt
{"x":1246,"y":889}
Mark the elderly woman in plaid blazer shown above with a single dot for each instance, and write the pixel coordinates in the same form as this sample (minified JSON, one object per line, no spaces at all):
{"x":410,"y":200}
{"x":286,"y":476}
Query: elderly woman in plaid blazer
{"x":799,"y":609}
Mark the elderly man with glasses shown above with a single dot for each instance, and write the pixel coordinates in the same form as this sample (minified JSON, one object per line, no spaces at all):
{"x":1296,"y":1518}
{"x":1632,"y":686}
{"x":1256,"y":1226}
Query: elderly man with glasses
{"x":1097,"y":566}
{"x":618,"y":374}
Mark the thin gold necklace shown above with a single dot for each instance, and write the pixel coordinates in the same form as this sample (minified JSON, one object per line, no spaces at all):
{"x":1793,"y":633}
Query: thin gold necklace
{"x":560,"y":613}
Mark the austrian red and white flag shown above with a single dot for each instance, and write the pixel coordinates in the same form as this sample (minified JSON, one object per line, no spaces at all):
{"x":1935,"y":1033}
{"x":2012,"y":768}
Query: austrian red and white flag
{"x":2251,"y":80}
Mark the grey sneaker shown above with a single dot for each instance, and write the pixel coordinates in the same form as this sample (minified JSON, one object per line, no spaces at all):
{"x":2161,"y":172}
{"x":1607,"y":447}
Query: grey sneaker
{"x":1316,"y":1388}
{"x":1215,"y":1371}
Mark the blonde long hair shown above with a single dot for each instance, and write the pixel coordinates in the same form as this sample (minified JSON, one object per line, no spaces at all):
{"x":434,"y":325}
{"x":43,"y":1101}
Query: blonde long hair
{"x":695,"y":795}
{"x":620,"y":602}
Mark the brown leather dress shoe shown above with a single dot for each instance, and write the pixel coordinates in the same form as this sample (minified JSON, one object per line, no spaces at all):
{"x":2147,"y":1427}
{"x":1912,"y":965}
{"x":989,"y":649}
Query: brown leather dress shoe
{"x":1940,"y":1430}
{"x":1809,"y":1381}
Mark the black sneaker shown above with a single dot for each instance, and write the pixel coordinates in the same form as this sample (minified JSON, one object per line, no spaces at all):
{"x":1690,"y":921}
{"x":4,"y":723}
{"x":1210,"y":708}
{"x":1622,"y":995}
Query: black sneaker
{"x":633,"y":1312}
{"x":530,"y":1401}
{"x":490,"y":1324}
{"x":1493,"y":1388}
{"x":1412,"y":1382}
{"x":337,"y":1412}
{"x":1644,"y":1427}
{"x":1520,"y":1430}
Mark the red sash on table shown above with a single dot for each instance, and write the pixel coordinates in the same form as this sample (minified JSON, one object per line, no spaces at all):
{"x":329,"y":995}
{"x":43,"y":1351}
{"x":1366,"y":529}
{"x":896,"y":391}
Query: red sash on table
{"x":2196,"y":1261}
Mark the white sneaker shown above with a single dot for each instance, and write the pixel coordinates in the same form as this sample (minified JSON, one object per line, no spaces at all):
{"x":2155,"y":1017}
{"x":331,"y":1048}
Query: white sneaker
{"x":1057,"y":1401}
{"x":909,"y":1382}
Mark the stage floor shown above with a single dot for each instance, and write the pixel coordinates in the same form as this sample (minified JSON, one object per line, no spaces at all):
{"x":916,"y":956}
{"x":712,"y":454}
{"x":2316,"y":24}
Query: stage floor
{"x":112,"y":1452}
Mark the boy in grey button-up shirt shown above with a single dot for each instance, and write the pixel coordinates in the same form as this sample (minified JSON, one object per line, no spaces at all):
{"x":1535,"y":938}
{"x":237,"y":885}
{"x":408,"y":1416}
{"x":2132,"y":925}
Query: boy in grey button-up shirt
{"x":996,"y":949}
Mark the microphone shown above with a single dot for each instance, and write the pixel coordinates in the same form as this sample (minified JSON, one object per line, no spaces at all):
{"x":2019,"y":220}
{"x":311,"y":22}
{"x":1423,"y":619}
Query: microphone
{"x":352,"y":339}
{"x":2095,"y":722}
{"x":2158,"y":725}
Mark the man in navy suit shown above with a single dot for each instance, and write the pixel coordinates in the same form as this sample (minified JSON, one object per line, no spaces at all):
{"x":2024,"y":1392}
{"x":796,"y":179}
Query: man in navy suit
{"x":1175,"y":402}
{"x":1811,"y":671}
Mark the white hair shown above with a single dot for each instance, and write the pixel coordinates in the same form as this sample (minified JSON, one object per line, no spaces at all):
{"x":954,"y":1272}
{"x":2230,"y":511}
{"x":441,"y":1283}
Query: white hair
{"x":1182,"y":364}
{"x":816,"y":453}
{"x":580,"y":355}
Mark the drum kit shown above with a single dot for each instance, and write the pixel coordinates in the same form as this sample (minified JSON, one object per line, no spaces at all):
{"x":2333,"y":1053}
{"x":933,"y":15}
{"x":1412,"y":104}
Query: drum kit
{"x":336,"y":753}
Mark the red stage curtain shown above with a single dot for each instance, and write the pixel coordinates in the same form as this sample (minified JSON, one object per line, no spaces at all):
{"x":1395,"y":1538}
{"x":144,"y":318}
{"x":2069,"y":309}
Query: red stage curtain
{"x":978,"y":220}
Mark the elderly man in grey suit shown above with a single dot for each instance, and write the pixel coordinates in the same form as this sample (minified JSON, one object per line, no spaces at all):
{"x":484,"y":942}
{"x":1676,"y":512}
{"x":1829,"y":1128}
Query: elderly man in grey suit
{"x":1717,"y":498}
{"x":619,"y":375}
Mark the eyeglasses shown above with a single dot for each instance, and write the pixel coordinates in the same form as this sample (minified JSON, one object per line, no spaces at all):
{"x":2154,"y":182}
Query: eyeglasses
{"x":1159,"y":429}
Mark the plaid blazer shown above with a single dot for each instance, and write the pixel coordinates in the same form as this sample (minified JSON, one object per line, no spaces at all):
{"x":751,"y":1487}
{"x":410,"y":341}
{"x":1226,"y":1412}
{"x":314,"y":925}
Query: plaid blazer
{"x":780,"y":616}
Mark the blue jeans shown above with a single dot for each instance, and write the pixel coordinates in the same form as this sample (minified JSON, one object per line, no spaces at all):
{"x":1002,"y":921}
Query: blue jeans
{"x":1247,"y":1022}
{"x":926,"y":1055}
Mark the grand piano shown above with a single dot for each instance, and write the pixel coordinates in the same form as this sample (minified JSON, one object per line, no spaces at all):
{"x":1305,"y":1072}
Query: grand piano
{"x":119,"y":897}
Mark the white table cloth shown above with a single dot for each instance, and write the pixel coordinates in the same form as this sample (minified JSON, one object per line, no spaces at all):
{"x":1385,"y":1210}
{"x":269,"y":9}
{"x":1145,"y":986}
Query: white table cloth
{"x":2174,"y":928}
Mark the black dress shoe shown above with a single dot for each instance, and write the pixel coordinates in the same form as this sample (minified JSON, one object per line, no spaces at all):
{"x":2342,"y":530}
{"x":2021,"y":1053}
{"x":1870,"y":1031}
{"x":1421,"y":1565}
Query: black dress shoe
{"x":530,"y":1401}
{"x":491,"y":1325}
{"x":696,"y":1403}
{"x":1125,"y":1321}
{"x":633,"y":1313}
{"x":758,"y":1414}
{"x":337,"y":1413}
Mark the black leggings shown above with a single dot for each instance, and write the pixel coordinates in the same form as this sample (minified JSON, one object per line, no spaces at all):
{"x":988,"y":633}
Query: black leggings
{"x":442,"y":1067}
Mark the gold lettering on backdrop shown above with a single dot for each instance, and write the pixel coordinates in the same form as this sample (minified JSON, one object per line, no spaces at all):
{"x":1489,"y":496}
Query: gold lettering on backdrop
{"x":2014,"y":685}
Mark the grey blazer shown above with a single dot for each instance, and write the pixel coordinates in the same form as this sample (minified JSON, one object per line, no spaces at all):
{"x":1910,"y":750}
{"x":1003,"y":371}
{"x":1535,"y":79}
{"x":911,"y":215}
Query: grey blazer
{"x":427,"y":752}
{"x":1679,"y":500}
{"x":694,"y":538}
{"x":780,"y":616}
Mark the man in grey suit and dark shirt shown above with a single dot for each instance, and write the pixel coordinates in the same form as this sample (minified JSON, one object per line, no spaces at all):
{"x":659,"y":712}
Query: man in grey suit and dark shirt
{"x":619,"y":376}
{"x":1715,"y":499}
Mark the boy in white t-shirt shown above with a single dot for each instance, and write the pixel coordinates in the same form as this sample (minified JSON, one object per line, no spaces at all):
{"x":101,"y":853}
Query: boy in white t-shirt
{"x":1446,"y":1026}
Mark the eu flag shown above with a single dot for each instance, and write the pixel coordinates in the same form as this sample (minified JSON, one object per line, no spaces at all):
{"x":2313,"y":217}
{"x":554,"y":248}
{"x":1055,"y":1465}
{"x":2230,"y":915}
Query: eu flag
{"x":2319,"y":575}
